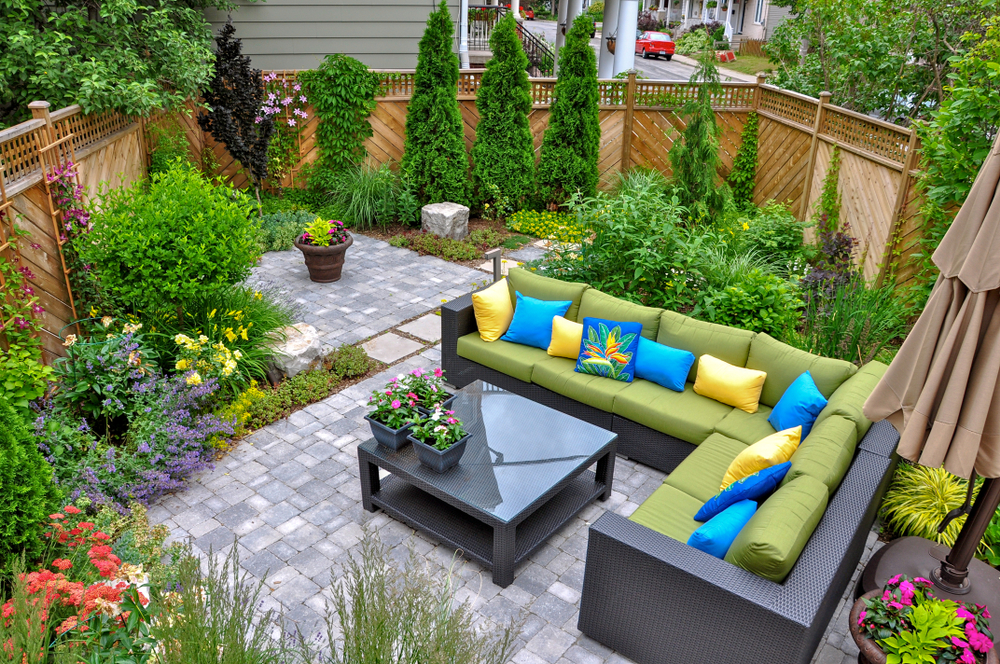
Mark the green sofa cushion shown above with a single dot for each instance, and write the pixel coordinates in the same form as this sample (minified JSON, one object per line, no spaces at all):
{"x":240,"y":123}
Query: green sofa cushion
{"x":849,"y":399}
{"x":772,"y":540}
{"x":515,"y":360}
{"x":784,"y":364}
{"x":826,"y":453}
{"x":683,"y":415}
{"x":558,"y":374}
{"x":545,"y":288}
{"x":596,"y":304}
{"x":701,"y":473}
{"x":746,"y":428}
{"x":726,"y":343}
{"x":669,"y":511}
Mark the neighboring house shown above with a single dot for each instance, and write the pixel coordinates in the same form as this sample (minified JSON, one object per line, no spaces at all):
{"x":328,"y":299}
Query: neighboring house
{"x":757,"y":19}
{"x":743,"y":19}
{"x":298,"y":34}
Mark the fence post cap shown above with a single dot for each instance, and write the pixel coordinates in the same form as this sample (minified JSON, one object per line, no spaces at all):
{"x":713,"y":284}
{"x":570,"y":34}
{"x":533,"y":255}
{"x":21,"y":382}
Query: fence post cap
{"x":39,"y":104}
{"x":825,"y":96}
{"x":761,"y":77}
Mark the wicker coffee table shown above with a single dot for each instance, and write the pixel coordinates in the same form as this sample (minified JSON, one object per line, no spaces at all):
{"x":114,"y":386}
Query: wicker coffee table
{"x":523,"y":476}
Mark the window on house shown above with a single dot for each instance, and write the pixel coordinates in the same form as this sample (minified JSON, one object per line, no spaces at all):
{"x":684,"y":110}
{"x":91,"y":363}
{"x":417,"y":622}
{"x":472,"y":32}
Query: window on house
{"x":758,"y":16}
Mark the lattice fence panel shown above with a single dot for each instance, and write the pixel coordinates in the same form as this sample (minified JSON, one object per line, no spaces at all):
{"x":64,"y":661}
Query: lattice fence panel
{"x":789,"y":106}
{"x":19,"y":159}
{"x":873,"y":136}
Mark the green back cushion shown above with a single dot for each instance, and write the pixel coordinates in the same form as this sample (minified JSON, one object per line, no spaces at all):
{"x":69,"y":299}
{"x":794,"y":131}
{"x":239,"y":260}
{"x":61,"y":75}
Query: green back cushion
{"x":771,"y":542}
{"x":596,"y":304}
{"x":826,"y":452}
{"x":725,"y":343}
{"x":545,"y":288}
{"x":849,"y":399}
{"x":784,"y":364}
{"x":515,"y":360}
{"x":745,"y":427}
{"x":701,"y":473}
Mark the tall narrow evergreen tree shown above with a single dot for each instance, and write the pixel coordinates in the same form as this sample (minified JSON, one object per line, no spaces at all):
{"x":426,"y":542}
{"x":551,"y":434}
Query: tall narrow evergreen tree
{"x":504,"y":152}
{"x":573,"y":138}
{"x":434,"y":153}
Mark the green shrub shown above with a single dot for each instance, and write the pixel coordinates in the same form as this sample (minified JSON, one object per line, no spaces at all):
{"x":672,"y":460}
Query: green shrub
{"x":434,"y":157}
{"x":443,"y":247}
{"x":279,"y":230}
{"x":504,"y":152}
{"x":349,"y":362}
{"x":367,"y":194}
{"x":180,"y":238}
{"x":485,"y":238}
{"x":556,"y":226}
{"x":23,"y":378}
{"x":774,"y":232}
{"x":27,"y":493}
{"x":167,"y":142}
{"x":573,"y":138}
{"x":760,"y":302}
{"x":596,"y":10}
{"x":744,"y":174}
{"x":695,"y":41}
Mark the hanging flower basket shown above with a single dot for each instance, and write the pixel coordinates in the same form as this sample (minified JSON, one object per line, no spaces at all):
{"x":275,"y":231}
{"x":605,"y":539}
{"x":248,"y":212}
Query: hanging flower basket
{"x":611,"y":44}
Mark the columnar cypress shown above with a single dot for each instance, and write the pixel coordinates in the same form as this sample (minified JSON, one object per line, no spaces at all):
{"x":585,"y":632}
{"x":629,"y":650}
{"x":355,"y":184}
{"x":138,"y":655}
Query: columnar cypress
{"x":573,"y":138}
{"x":434,"y":154}
{"x":504,"y":152}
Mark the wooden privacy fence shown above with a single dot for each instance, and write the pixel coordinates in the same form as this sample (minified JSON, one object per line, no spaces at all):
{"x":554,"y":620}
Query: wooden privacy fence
{"x":106,"y":148}
{"x":639,"y":124}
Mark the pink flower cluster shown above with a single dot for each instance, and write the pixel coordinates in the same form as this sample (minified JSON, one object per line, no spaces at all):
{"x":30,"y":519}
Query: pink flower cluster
{"x":282,"y":96}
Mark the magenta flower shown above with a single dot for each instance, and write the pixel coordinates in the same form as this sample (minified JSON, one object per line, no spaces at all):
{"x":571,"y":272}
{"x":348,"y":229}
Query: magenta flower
{"x":978,"y":641}
{"x":896,"y":605}
{"x":861,"y":617}
{"x":967,"y":657}
{"x":894,"y":580}
{"x":919,"y":580}
{"x":388,"y":393}
{"x":396,"y":404}
{"x":438,"y":372}
{"x":906,"y":590}
{"x":964,"y":613}
{"x":986,"y":612}
{"x":257,"y":119}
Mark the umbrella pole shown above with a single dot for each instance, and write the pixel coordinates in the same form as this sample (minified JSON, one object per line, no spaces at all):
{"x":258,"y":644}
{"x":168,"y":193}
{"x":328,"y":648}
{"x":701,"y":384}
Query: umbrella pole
{"x":953,"y":574}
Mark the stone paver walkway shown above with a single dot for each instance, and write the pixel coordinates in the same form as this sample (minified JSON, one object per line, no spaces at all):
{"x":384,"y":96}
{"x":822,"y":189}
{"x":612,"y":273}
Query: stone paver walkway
{"x":290,"y":494}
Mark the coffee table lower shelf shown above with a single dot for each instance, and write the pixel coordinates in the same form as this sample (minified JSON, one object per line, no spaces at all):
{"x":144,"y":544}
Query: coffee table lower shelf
{"x":476,"y":539}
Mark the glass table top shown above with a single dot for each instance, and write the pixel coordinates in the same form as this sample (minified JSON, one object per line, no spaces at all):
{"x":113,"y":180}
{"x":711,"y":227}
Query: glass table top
{"x":519,"y":450}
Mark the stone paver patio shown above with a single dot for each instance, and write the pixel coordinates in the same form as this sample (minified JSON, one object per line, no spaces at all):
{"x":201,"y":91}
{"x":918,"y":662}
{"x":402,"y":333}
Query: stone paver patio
{"x":290,"y":493}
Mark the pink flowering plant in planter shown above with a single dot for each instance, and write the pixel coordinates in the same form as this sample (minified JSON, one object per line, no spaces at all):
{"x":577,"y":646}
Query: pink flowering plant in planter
{"x":440,"y":430}
{"x":910,"y":624}
{"x":427,"y":385}
{"x":324,"y":233}
{"x":394,"y":406}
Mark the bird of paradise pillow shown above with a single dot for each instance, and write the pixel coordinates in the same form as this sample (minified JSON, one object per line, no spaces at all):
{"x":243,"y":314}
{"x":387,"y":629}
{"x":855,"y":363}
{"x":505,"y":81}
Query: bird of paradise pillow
{"x":608,"y":349}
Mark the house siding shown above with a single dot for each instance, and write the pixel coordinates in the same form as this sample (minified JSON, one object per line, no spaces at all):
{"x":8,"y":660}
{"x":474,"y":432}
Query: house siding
{"x":298,"y":34}
{"x":772,"y":17}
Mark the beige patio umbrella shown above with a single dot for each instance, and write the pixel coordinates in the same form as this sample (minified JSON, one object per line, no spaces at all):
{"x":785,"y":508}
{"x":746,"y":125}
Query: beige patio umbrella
{"x":942,"y":391}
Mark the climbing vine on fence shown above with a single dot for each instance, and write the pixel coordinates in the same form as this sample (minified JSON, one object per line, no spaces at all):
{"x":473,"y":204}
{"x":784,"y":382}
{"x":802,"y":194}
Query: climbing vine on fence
{"x":741,"y":178}
{"x":827,"y":215}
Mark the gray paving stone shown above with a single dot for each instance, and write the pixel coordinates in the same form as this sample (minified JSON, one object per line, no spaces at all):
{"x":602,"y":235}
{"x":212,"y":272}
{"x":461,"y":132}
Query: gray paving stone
{"x":426,"y":327}
{"x":390,"y":347}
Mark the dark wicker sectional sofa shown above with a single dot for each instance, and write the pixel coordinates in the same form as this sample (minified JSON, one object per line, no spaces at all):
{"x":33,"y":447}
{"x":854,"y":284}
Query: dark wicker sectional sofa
{"x":655,"y":599}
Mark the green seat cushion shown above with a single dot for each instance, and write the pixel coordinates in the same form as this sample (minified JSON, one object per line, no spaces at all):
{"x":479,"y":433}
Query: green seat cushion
{"x":784,"y":364}
{"x":545,"y":288}
{"x":596,"y":304}
{"x":745,"y":427}
{"x":772,"y":540}
{"x":726,"y":343}
{"x":700,"y":474}
{"x":685,"y":415}
{"x":515,"y":360}
{"x":559,"y":375}
{"x":849,"y":399}
{"x":669,"y":511}
{"x":826,"y":452}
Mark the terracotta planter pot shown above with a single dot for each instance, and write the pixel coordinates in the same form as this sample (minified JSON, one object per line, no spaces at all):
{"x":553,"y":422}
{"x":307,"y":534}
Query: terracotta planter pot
{"x":325,"y":263}
{"x":870,"y":652}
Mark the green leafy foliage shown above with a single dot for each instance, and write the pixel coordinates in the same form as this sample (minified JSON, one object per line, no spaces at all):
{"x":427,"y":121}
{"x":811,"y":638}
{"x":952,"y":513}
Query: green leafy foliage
{"x":548,"y":225}
{"x":342,"y":92}
{"x":760,"y":302}
{"x":918,"y":500}
{"x":573,"y":138}
{"x":827,"y":217}
{"x":744,"y":174}
{"x":23,"y":377}
{"x":932,"y":623}
{"x":349,"y":362}
{"x":370,"y":196}
{"x":694,"y":41}
{"x":278,"y":230}
{"x":180,"y":238}
{"x":596,"y":10}
{"x":27,"y":493}
{"x":167,"y":142}
{"x":772,"y":231}
{"x":434,"y":157}
{"x":504,"y":152}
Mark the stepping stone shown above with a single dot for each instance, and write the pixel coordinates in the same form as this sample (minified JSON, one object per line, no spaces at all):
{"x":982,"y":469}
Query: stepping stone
{"x":390,"y":347}
{"x":528,"y":253}
{"x":505,"y":266}
{"x":427,"y":328}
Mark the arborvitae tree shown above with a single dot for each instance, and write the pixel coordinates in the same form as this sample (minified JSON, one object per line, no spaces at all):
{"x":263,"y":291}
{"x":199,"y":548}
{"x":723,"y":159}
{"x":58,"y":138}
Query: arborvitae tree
{"x":434,"y":155}
{"x":573,"y":138}
{"x":27,"y":493}
{"x":742,"y":177}
{"x":504,"y":152}
{"x":695,"y":158}
{"x":235,"y":99}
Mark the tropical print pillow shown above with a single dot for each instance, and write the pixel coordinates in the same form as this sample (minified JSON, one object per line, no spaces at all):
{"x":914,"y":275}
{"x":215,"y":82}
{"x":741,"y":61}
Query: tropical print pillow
{"x":608,"y":349}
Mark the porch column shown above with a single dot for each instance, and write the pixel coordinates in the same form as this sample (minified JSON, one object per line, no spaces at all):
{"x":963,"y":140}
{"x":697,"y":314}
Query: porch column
{"x":606,"y":66}
{"x":515,"y":8}
{"x":560,"y":37}
{"x":628,"y":17}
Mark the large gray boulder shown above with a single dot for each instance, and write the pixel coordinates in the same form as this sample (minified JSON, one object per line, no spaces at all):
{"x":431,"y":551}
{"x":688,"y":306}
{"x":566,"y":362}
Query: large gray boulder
{"x":445,"y":220}
{"x":300,"y":348}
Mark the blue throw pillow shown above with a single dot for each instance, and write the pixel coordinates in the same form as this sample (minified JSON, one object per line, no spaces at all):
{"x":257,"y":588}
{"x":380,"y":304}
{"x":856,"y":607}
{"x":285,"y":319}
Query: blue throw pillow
{"x":662,"y":364}
{"x":532,"y":323}
{"x":750,"y":487}
{"x":717,"y":535}
{"x":608,"y":349}
{"x":798,"y":406}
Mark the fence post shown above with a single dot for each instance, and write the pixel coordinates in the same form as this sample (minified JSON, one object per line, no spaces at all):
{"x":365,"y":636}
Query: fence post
{"x":899,"y":209}
{"x":40,"y":111}
{"x":761,"y":78}
{"x":824,"y":99}
{"x":626,"y":161}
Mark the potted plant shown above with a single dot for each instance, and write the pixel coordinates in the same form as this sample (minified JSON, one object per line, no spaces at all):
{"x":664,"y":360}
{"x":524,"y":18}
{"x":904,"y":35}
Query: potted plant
{"x":324,"y":244}
{"x":905,"y":622}
{"x":393,"y":413}
{"x":429,"y":388}
{"x":439,"y":440}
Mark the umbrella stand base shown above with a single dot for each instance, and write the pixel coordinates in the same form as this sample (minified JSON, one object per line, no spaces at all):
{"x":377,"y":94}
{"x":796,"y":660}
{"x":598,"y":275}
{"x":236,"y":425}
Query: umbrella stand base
{"x":916,"y":556}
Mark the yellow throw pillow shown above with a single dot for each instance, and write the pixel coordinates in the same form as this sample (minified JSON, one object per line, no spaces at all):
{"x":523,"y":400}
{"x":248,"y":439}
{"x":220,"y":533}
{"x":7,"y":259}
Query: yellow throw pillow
{"x":493,"y":310}
{"x":776,"y":448}
{"x":566,"y":338}
{"x":733,"y":386}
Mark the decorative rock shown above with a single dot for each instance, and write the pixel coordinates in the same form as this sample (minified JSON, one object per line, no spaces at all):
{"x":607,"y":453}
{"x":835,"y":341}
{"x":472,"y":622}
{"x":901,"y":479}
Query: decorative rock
{"x":298,"y":351}
{"x":445,"y":220}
